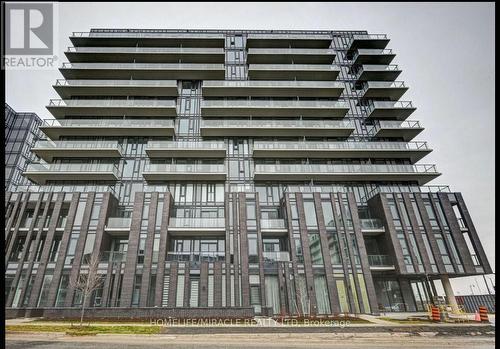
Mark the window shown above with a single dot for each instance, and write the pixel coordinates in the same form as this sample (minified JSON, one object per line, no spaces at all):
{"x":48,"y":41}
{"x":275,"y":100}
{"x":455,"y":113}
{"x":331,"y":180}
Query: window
{"x":310,"y":214}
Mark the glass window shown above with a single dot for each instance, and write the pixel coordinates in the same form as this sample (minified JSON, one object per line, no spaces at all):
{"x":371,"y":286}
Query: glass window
{"x":310,"y":214}
{"x":315,"y":248}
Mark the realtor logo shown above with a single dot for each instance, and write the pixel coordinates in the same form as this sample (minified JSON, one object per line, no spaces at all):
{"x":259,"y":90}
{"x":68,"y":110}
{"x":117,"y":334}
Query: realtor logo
{"x":30,"y":35}
{"x":29,"y":29}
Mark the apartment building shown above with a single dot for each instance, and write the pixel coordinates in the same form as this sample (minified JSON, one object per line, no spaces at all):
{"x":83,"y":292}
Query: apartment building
{"x":228,"y":173}
{"x":21,"y":133}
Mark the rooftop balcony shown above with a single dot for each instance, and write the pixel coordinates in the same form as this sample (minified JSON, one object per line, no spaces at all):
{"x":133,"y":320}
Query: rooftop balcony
{"x":372,"y":56}
{"x":146,"y":71}
{"x":406,"y":150}
{"x":68,"y":88}
{"x":153,"y":38}
{"x":262,"y":88}
{"x":184,"y":172}
{"x":372,"y":226}
{"x":407,"y":130}
{"x":372,"y":41}
{"x":384,"y":89}
{"x":60,"y":108}
{"x":316,"y":72}
{"x":380,"y":262}
{"x":346,"y":172}
{"x":162,"y":149}
{"x":378,"y":72}
{"x":282,"y":40}
{"x":283,"y":128}
{"x":198,"y":224}
{"x":47,"y":150}
{"x":41,"y":173}
{"x":390,"y":110}
{"x":273,"y":108}
{"x":146,"y":54}
{"x":290,"y":55}
{"x":54,"y":129}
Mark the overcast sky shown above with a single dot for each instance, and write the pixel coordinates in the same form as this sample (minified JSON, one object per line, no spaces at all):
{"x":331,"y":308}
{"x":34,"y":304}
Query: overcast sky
{"x":446,"y":52}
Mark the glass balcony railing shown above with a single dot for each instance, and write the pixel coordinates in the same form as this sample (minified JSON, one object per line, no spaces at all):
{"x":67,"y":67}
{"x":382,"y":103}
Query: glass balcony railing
{"x":99,"y":144}
{"x":371,"y":224}
{"x":195,"y":256}
{"x":284,"y":36}
{"x":108,"y":123}
{"x":145,"y":66}
{"x":148,"y":103}
{"x":291,"y":51}
{"x":199,"y":223}
{"x":58,"y":168}
{"x":118,"y":223}
{"x":378,"y":67}
{"x":65,"y":188}
{"x":271,"y":224}
{"x":279,"y":123}
{"x":185,"y":168}
{"x":112,"y":83}
{"x":271,"y":84}
{"x":274,"y":104}
{"x":383,"y":84}
{"x":380,"y":260}
{"x":313,"y":146}
{"x":166,"y":50}
{"x":345,"y":168}
{"x":147,"y":34}
{"x":167,"y":145}
{"x":281,"y":256}
{"x":395,"y":125}
{"x":402,"y":189}
{"x":390,"y":105}
{"x":292,"y":67}
{"x":369,"y":36}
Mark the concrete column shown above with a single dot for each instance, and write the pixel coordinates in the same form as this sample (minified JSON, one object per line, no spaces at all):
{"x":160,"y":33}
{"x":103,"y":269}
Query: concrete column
{"x":450,"y":296}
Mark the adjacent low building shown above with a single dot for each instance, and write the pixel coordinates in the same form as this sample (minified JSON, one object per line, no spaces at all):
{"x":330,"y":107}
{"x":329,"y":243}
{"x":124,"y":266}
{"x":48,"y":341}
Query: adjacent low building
{"x":231,"y":173}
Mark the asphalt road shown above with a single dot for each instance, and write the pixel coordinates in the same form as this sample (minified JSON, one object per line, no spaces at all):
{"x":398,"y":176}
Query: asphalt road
{"x":275,"y":341}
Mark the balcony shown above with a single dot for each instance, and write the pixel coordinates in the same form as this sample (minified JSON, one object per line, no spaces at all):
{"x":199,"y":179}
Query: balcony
{"x":281,"y":256}
{"x":188,"y":149}
{"x":372,"y":56}
{"x":47,"y":150}
{"x":54,"y":129}
{"x":384,"y":89}
{"x":380,"y":262}
{"x":283,"y":40}
{"x":406,"y":130}
{"x":195,"y":256}
{"x":262,"y":88}
{"x":61,"y":108}
{"x":393,"y":150}
{"x":283,"y":128}
{"x":184,"y":172}
{"x":290,"y":56}
{"x":41,"y":173}
{"x":145,"y":54}
{"x":316,"y":72}
{"x":373,"y":41}
{"x":390,"y":110}
{"x":151,"y":38}
{"x":118,"y":225}
{"x":345,"y":172}
{"x":273,"y":225}
{"x":376,"y":72}
{"x":372,"y":226}
{"x":151,"y":88}
{"x":146,"y":71}
{"x":274,"y":108}
{"x":198,"y":224}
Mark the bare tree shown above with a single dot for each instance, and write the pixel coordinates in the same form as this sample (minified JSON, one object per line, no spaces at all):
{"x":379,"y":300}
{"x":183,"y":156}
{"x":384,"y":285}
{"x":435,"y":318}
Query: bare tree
{"x":86,"y":283}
